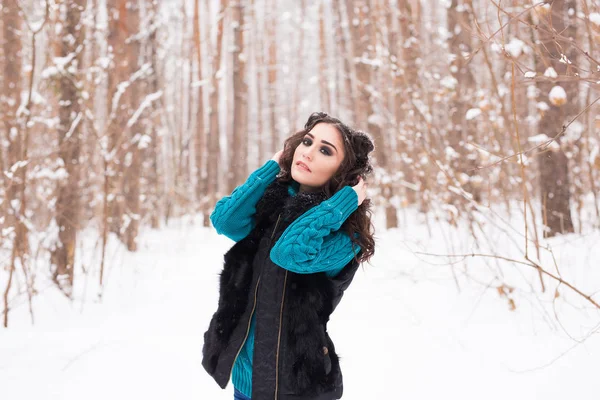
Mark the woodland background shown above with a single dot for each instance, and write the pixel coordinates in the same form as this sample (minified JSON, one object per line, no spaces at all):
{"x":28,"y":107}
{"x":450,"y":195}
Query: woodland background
{"x":123,"y":114}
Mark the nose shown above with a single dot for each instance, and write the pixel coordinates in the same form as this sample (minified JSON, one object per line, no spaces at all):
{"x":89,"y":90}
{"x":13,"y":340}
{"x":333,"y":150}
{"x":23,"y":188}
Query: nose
{"x":308,"y":153}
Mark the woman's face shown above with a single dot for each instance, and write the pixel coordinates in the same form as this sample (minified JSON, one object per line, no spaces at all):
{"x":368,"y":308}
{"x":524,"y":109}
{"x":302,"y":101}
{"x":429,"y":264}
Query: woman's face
{"x":322,"y":152}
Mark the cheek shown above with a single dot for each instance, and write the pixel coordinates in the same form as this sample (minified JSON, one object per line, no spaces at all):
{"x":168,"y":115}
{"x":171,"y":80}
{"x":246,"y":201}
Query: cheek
{"x":329,"y":169}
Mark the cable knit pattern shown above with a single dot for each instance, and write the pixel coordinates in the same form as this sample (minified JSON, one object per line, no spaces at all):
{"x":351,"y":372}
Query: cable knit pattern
{"x":308,"y":245}
{"x":233,"y":214}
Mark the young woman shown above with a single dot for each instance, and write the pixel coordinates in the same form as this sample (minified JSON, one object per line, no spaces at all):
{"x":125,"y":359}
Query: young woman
{"x":302,"y":226}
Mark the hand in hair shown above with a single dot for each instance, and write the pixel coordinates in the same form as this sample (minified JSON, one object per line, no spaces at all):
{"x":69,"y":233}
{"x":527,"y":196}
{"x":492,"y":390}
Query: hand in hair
{"x":277,"y":156}
{"x":361,"y":190}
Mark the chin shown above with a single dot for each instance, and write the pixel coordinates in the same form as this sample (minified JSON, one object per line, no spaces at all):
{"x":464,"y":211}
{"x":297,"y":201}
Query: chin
{"x":297,"y":178}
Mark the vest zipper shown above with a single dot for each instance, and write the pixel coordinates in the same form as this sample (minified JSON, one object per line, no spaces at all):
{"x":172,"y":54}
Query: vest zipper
{"x":253,"y":308}
{"x":279,"y":337}
{"x":276,"y":224}
{"x":247,"y":330}
{"x":279,"y":334}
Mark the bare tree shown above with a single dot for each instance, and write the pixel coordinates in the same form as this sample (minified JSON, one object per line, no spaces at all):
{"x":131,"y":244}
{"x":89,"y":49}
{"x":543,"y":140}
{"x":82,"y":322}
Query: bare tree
{"x":213,"y":112}
{"x":12,"y":25}
{"x":367,"y":117}
{"x":272,"y":75}
{"x":200,"y":137}
{"x":323,"y":62}
{"x":239,"y":163}
{"x":133,"y":171}
{"x":70,"y":48}
{"x":462,"y":129}
{"x":152,"y":124}
{"x":553,"y":163}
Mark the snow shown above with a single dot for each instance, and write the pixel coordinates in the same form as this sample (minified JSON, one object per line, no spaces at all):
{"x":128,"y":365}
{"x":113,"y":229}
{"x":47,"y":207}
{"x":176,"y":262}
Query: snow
{"x":473,"y":113}
{"x":516,"y":47}
{"x":550,"y":73}
{"x":595,"y":18}
{"x":530,"y":74}
{"x":542,"y":106}
{"x":574,"y":131}
{"x":143,"y":105}
{"x":410,"y":319}
{"x":557,"y":96}
{"x":449,"y":82}
{"x":539,"y":139}
{"x":564,"y":59}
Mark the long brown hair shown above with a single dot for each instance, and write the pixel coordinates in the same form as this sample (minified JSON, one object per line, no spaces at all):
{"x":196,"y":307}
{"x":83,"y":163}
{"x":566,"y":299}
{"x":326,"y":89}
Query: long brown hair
{"x":357,"y":146}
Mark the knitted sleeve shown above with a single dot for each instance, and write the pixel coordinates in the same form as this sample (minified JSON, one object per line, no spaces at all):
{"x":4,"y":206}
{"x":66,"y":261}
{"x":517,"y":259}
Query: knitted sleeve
{"x":233,"y":214}
{"x":313,"y":242}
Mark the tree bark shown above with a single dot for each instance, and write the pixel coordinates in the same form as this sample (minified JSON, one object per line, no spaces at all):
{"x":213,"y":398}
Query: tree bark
{"x":324,"y":62}
{"x":272,"y":77}
{"x":462,"y":131}
{"x":213,"y":111}
{"x":239,"y":162}
{"x":553,"y":163}
{"x":200,"y":137}
{"x":134,"y":97}
{"x":69,"y":140}
{"x":365,"y":40}
{"x":10,"y":100}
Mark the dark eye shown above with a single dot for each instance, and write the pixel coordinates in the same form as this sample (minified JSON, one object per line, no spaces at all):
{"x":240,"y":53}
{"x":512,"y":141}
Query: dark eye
{"x":326,"y":151}
{"x":306,"y":140}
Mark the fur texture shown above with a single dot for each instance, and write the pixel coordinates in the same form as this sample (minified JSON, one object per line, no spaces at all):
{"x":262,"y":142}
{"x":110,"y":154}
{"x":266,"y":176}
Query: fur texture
{"x":308,"y":366}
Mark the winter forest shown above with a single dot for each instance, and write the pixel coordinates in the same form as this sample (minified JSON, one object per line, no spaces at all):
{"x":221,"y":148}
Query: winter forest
{"x":123,"y":122}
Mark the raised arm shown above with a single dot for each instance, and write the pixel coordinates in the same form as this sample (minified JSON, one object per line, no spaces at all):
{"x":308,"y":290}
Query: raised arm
{"x":313,"y":242}
{"x":233,"y":214}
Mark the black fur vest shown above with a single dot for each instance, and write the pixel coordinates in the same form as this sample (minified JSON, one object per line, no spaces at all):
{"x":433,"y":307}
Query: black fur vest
{"x":294,"y":357}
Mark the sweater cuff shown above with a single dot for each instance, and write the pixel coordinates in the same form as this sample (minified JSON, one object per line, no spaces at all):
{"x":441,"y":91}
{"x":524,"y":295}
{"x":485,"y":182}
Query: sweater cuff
{"x":345,"y":201}
{"x":268,"y":171}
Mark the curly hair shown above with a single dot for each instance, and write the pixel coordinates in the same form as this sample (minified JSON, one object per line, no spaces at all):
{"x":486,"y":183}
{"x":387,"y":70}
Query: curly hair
{"x":356,"y":162}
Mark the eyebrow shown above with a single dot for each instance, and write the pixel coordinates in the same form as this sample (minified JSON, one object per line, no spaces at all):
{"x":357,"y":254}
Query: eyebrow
{"x":324,"y":141}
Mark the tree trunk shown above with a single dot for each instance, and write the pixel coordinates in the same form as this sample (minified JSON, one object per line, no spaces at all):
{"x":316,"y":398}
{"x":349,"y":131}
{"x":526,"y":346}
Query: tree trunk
{"x":200,"y":139}
{"x":135,"y":95}
{"x":153,"y":153}
{"x":213,"y":112}
{"x":239,"y":161}
{"x":364,"y":38}
{"x":324,"y":62}
{"x":116,"y":74}
{"x":69,"y":140}
{"x":10,"y":101}
{"x":461,"y":130}
{"x":553,"y":163}
{"x":407,"y":78}
{"x":272,"y":77}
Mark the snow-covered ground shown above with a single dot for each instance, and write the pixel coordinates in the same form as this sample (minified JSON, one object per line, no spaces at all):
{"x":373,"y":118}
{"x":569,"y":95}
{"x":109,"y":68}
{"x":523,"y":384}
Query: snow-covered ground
{"x":411,"y":326}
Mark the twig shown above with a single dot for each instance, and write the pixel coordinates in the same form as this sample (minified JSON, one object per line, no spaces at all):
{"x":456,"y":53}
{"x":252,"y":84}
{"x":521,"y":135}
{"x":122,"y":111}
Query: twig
{"x":529,"y":263}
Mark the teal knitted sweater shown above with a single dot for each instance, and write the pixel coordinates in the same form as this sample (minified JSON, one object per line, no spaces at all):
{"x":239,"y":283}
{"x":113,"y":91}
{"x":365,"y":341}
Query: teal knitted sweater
{"x":312,"y":243}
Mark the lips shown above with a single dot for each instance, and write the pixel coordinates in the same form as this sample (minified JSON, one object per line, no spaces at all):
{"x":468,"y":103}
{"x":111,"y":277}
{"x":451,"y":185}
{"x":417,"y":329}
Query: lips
{"x":302,"y":166}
